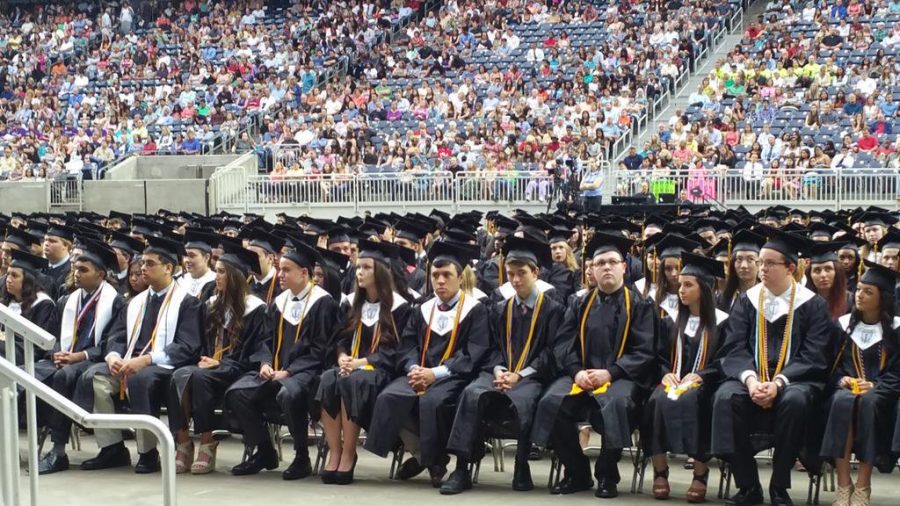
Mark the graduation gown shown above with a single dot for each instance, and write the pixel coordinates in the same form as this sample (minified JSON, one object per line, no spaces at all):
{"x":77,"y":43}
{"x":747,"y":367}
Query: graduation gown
{"x":682,"y":425}
{"x":432,"y":412}
{"x":302,"y":357}
{"x":504,"y":292}
{"x":565,"y":281}
{"x":871,"y":415}
{"x":56,"y":278}
{"x":207,"y":386}
{"x":512,"y":412}
{"x":359,"y":390}
{"x":612,"y":413}
{"x":805,"y":370}
{"x":488,"y":274}
{"x":415,"y":277}
{"x":348,"y":279}
{"x":202,"y":287}
{"x":42,"y":313}
{"x":266,"y":288}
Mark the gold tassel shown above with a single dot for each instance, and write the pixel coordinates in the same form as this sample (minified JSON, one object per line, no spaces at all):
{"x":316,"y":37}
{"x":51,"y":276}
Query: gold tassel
{"x":500,"y":269}
{"x":728,"y":262}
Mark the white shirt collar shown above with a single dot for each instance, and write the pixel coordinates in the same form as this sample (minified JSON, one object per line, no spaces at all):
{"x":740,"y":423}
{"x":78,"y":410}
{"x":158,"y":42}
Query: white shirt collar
{"x":267,"y":278}
{"x":163,"y":291}
{"x":303,"y":293}
{"x":60,"y":263}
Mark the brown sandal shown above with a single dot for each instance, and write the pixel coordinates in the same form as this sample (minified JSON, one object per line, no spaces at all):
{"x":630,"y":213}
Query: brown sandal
{"x":661,"y":488}
{"x":696,"y":494}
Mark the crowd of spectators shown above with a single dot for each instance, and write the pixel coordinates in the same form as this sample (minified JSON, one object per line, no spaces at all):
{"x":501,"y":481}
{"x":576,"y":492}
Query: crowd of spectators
{"x":813,"y":87}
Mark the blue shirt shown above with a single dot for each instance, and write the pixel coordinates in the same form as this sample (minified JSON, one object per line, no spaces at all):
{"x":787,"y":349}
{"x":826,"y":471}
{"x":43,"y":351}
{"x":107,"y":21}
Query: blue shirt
{"x":593,"y":177}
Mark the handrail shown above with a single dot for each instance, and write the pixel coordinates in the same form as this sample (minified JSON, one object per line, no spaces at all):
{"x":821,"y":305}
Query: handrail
{"x":13,"y":376}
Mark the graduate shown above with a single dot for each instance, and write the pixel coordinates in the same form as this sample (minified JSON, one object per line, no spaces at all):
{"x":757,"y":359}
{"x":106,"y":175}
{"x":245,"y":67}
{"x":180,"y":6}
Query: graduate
{"x":89,"y":316}
{"x":605,"y":349}
{"x":267,"y":246}
{"x":825,"y":276}
{"x":236,"y":328}
{"x":302,"y":319}
{"x":161,"y":332}
{"x":669,"y":249}
{"x":410,"y":235}
{"x":442,"y":346}
{"x":867,"y":377}
{"x":563,"y":273}
{"x":519,"y":364}
{"x":23,"y":294}
{"x":678,"y":413}
{"x":366,"y":354}
{"x":743,"y":271}
{"x":490,"y":274}
{"x":58,"y":244}
{"x":126,"y":249}
{"x":778,"y":354}
{"x":198,"y":279}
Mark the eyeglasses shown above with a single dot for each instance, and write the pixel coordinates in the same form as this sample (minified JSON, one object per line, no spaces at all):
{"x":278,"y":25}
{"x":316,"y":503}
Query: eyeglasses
{"x":768,"y":264}
{"x":603,"y":263}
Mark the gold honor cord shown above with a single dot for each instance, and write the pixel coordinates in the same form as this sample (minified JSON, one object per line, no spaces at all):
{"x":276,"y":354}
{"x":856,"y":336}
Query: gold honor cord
{"x":280,"y":335}
{"x":520,"y":363}
{"x":762,"y":336}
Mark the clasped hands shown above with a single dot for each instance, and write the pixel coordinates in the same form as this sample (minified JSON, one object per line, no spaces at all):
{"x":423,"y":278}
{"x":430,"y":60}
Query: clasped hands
{"x":266,"y":372}
{"x":420,"y":378}
{"x":592,"y":379}
{"x":671,"y":380}
{"x":122,"y":368}
{"x":349,"y":364}
{"x":504,"y":380}
{"x":862,"y":385}
{"x":762,"y":393}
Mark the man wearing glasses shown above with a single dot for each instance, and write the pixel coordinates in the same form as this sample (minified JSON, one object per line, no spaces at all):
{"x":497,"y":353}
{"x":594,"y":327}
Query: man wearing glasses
{"x":605,"y":348}
{"x":777,"y":364}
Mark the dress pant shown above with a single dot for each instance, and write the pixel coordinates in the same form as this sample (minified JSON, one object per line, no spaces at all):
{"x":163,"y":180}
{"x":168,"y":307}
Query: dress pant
{"x":146,"y":391}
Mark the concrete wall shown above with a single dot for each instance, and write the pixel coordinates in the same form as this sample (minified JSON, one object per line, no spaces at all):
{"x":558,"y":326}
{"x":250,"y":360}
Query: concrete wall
{"x":176,"y":195}
{"x":146,"y":196}
{"x":169,"y":167}
{"x":105,"y":196}
{"x":23,"y":197}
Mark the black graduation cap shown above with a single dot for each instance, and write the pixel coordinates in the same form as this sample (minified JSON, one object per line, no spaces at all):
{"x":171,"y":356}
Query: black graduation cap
{"x":442,"y":215}
{"x":788,"y":244}
{"x":379,"y":251}
{"x":882,"y":277}
{"x":333,"y":260}
{"x":240,"y":258}
{"x":231,"y":225}
{"x":536,"y":252}
{"x":99,"y":254}
{"x":671,"y":246}
{"x":21,"y":238}
{"x":371,"y":223}
{"x":126,"y":243}
{"x":708,"y":269}
{"x":710,"y":225}
{"x":794,"y":227}
{"x":458,"y":254}
{"x":655,"y":221}
{"x":315,"y":226}
{"x":873,"y":218}
{"x":820,"y":252}
{"x":264,"y":240}
{"x":167,"y":249}
{"x":820,"y":229}
{"x":61,"y":231}
{"x":28,"y":262}
{"x":603,"y":243}
{"x":558,"y":234}
{"x":675,"y":228}
{"x":797,"y":213}
{"x":37,"y":228}
{"x":303,"y":255}
{"x":890,"y":240}
{"x":505,"y":226}
{"x":199,"y":240}
{"x":410,"y":230}
{"x":143,"y":227}
{"x":123,"y":217}
{"x":458,"y":236}
{"x":747,"y":240}
{"x":351,"y":222}
{"x":338,"y":234}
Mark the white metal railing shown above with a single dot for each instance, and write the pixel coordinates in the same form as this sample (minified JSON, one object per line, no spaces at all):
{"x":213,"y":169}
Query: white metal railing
{"x":732,"y":187}
{"x":12,"y":377}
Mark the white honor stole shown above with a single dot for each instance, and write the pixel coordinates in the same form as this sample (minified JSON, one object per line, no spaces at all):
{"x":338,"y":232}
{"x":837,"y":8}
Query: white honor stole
{"x":102,"y":315}
{"x":166,"y":321}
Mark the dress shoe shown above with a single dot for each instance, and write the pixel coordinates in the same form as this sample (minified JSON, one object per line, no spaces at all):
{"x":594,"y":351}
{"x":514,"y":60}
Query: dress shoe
{"x":536,"y":453}
{"x":147,"y":462}
{"x":53,"y":463}
{"x":300,"y":468}
{"x":437,"y":473}
{"x":746,"y":497}
{"x":410,"y":469}
{"x":327,"y":476}
{"x":571,"y":485}
{"x":346,"y":477}
{"x":264,"y":458}
{"x":458,"y":482}
{"x":522,"y":477}
{"x":606,"y":488}
{"x":780,"y":497}
{"x":110,"y":456}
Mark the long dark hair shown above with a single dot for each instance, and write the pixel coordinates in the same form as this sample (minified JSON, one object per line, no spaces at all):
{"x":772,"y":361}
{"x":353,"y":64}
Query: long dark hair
{"x":129,"y":291}
{"x":401,"y":284}
{"x":707,"y":316}
{"x":331,"y":281}
{"x":30,"y":288}
{"x":662,"y":282}
{"x":230,"y":302}
{"x":649,"y":273}
{"x":837,"y":297}
{"x":384,"y":288}
{"x":732,"y":284}
{"x":886,"y":317}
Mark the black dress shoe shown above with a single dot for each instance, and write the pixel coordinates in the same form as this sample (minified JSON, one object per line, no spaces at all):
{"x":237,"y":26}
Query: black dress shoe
{"x":536,"y":453}
{"x":410,"y":469}
{"x":327,"y":476}
{"x":780,"y":497}
{"x":264,"y":458}
{"x":522,"y":477}
{"x":346,"y":477}
{"x":437,"y":473}
{"x":110,"y":456}
{"x":147,"y":462}
{"x":570,"y":485}
{"x":458,"y":482}
{"x":606,"y":489}
{"x":53,"y":463}
{"x":300,"y":468}
{"x":746,"y":497}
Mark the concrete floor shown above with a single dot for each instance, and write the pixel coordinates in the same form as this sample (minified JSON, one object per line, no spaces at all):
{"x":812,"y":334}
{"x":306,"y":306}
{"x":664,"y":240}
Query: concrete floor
{"x":122,"y":486}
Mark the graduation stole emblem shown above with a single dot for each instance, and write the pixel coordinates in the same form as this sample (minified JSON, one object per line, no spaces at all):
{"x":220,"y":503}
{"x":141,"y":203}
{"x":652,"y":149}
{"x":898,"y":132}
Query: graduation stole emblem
{"x":584,"y":317}
{"x":762,"y":337}
{"x":520,"y":363}
{"x":451,"y":345}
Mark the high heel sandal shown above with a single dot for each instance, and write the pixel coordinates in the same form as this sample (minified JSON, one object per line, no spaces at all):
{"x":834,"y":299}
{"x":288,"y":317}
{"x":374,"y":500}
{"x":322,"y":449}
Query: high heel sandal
{"x":184,"y":457}
{"x":661,"y":489}
{"x":346,"y":477}
{"x":206,"y":459}
{"x":697,"y":494}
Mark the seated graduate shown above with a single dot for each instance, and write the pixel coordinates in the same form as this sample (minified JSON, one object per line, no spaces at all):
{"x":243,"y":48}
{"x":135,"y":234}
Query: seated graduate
{"x":563,"y":273}
{"x":743,"y":273}
{"x":127,"y":249}
{"x":23,"y":294}
{"x":669,"y":248}
{"x":89,"y":316}
{"x":491,"y":275}
{"x":441,"y":349}
{"x":236,"y":327}
{"x":410,"y":235}
{"x":366,"y":355}
{"x":303,"y":318}
{"x":677,"y":417}
{"x":198,"y":279}
{"x":58,"y":244}
{"x":519,"y":364}
{"x":776,"y":364}
{"x":826,"y":276}
{"x":867,"y":375}
{"x":268,"y":247}
{"x":605,"y":348}
{"x":162,"y":331}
